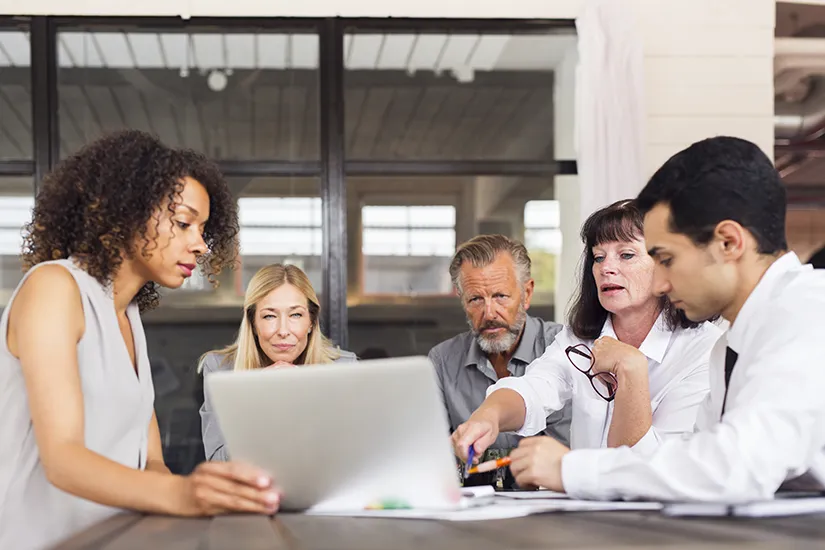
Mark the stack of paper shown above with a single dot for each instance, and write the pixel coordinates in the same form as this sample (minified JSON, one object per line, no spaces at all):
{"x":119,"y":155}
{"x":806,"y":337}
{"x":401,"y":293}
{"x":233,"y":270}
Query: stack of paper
{"x":768,"y":508}
{"x":502,"y":508}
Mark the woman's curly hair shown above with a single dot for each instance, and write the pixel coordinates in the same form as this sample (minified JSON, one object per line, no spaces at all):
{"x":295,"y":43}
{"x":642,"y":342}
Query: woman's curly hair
{"x":96,"y":206}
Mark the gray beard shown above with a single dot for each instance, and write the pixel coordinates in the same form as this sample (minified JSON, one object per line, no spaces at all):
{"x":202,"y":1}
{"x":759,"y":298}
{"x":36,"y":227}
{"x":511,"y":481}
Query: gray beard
{"x":504,"y":342}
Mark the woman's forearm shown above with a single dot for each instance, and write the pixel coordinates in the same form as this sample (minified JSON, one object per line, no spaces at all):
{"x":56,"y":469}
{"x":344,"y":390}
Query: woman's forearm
{"x":632,"y":415}
{"x":505,"y":407}
{"x":91,"y":476}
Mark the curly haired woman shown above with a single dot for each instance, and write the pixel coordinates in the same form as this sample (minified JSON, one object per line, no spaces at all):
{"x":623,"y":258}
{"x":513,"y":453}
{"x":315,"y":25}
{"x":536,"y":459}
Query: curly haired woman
{"x":113,"y":223}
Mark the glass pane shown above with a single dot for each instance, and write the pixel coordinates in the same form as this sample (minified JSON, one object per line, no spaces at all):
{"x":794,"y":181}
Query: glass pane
{"x":232,"y":95}
{"x":432,"y":216}
{"x":15,"y":95}
{"x":541,"y":214}
{"x":408,"y":216}
{"x":16,"y":202}
{"x":385,"y":242}
{"x":450,"y":96}
{"x":548,"y":240}
{"x":543,"y":240}
{"x":384,"y":216}
{"x":281,"y":222}
{"x":432,"y":242}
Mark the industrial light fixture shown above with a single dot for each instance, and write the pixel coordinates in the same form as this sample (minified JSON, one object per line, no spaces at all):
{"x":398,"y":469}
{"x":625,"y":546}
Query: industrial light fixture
{"x":217,"y":80}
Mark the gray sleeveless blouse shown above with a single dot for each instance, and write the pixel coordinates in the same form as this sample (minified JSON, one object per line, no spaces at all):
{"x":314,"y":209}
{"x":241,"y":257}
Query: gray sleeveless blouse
{"x":117,"y":407}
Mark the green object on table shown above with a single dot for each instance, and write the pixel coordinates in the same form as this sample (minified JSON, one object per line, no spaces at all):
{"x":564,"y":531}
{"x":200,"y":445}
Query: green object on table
{"x":395,"y":504}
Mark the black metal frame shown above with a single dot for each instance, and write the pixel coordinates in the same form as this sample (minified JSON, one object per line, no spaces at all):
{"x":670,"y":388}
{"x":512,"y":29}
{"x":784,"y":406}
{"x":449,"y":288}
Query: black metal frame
{"x":44,"y":97}
{"x":332,"y":166}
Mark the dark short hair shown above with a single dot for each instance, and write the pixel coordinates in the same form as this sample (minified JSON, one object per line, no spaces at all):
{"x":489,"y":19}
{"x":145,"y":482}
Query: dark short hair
{"x":717,"y":179}
{"x":623,"y":222}
{"x":817,"y":259}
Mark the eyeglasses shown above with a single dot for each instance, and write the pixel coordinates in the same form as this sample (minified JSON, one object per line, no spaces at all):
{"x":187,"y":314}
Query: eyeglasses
{"x":605,"y":383}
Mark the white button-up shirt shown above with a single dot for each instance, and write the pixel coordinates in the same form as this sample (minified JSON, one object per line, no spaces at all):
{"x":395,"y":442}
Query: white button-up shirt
{"x":774,"y":424}
{"x":678,"y":382}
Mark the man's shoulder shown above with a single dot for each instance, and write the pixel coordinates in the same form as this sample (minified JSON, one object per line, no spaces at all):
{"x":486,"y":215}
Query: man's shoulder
{"x":548,"y":330}
{"x":794,"y":310}
{"x":448,"y":351}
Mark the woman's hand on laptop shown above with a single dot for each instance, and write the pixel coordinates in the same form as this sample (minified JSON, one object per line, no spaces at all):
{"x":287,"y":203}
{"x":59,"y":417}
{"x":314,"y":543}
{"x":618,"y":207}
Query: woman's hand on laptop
{"x":480,"y":431}
{"x":220,"y":487}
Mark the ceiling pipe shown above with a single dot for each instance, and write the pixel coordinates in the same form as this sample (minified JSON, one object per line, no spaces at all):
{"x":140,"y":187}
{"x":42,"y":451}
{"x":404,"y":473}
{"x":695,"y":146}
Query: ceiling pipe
{"x":795,"y":59}
{"x":803,"y":120}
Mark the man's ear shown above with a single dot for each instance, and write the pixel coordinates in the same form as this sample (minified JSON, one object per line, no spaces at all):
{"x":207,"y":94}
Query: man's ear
{"x":731,"y":238}
{"x":529,"y":287}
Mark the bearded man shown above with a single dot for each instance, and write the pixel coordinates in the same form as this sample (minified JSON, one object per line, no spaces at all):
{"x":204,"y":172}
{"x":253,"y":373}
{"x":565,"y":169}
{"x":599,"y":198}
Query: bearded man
{"x":491,"y":274}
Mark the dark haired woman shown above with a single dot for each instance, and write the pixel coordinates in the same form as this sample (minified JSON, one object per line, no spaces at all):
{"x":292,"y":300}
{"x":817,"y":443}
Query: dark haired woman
{"x":115,"y":221}
{"x":633,"y":367}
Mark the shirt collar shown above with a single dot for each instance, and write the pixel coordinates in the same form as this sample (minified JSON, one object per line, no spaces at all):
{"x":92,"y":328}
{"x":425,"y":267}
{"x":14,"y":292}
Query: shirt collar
{"x":524,"y":350}
{"x":655,"y":343}
{"x":760,"y":295}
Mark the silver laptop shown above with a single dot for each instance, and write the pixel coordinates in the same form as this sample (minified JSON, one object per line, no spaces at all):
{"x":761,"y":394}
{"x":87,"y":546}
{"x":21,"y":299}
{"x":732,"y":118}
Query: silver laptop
{"x":345,"y":436}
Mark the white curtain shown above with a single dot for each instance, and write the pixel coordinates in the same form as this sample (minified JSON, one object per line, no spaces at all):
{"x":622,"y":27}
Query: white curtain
{"x":609,"y":104}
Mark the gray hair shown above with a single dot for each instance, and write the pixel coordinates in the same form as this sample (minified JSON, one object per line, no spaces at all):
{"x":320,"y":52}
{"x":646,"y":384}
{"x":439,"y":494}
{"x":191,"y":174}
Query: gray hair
{"x":483,"y":250}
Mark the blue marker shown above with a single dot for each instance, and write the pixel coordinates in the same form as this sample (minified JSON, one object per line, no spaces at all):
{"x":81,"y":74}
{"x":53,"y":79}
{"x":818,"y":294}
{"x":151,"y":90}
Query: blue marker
{"x":469,"y":464}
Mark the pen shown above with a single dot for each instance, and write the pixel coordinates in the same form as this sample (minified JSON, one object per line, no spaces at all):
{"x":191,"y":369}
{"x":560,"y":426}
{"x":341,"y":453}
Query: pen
{"x":468,"y":465}
{"x":490,"y":465}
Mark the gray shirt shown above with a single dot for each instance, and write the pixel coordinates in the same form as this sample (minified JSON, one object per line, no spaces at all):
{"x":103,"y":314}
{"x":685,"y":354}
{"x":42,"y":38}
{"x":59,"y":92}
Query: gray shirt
{"x":213,"y":441}
{"x":464,"y":373}
{"x":117,"y":409}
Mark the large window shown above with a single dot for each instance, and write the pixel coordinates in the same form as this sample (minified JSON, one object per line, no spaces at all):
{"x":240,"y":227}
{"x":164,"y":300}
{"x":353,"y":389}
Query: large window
{"x":362,"y":151}
{"x":461,"y":121}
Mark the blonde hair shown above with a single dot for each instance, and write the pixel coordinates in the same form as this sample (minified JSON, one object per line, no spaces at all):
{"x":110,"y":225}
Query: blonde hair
{"x":246,"y":353}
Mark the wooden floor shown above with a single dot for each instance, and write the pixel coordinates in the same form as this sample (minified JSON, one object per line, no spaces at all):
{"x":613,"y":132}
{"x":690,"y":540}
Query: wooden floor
{"x":614,"y":531}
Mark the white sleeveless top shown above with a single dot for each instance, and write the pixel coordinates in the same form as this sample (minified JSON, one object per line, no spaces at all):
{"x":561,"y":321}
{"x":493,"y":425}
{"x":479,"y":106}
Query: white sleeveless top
{"x":117,"y":407}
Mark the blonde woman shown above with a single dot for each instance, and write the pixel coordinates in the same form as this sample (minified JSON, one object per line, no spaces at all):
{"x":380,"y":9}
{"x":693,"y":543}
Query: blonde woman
{"x":280,"y":329}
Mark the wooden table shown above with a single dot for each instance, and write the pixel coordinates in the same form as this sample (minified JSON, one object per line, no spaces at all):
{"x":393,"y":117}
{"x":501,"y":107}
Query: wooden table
{"x":613,"y":530}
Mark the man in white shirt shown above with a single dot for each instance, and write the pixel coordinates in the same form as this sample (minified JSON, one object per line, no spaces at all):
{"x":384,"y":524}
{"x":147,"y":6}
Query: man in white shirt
{"x":715,"y":225}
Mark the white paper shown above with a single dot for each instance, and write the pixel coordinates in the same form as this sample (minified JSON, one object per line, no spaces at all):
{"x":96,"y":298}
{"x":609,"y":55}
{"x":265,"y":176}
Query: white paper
{"x":531,"y":495}
{"x":502,"y":509}
{"x":769,"y":508}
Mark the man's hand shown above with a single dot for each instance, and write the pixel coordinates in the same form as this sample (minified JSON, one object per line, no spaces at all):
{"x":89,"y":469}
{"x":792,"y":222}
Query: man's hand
{"x":613,"y":356}
{"x":537,"y":463}
{"x":479,"y":431}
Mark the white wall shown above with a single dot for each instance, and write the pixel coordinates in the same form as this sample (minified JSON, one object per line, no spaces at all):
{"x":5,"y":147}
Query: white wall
{"x":708,"y":70}
{"x":566,"y":188}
